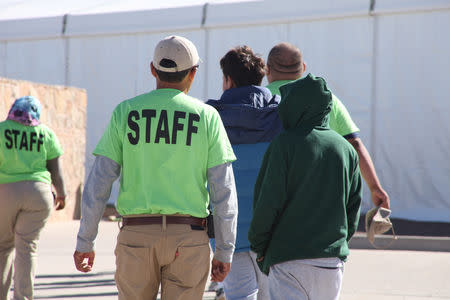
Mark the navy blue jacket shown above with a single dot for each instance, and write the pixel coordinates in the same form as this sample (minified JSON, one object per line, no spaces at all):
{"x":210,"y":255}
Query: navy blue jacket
{"x":251,"y":120}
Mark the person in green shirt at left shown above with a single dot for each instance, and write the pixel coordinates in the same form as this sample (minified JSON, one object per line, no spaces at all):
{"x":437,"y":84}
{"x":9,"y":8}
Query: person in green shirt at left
{"x":285,"y":64}
{"x":29,"y":165}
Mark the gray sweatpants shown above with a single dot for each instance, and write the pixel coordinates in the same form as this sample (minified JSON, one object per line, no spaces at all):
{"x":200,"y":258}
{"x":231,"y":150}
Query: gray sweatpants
{"x":245,"y":280}
{"x":24,"y":209}
{"x":302,"y":280}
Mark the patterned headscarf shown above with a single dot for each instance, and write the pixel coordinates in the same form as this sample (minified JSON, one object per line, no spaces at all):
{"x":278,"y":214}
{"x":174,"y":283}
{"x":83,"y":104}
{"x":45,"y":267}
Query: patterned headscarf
{"x":26,"y":110}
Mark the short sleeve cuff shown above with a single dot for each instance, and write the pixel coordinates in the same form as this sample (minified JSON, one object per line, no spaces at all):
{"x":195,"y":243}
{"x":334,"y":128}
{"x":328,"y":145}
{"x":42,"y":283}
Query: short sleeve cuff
{"x":221,"y":162}
{"x":98,"y":152}
{"x":55,"y":155}
{"x":352,"y":135}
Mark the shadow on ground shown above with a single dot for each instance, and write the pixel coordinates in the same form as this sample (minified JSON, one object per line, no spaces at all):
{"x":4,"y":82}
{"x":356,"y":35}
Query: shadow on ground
{"x":75,"y":286}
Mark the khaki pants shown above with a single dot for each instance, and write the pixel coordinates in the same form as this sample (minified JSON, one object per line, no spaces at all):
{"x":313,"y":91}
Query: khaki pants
{"x":175,"y":256}
{"x":24,"y":209}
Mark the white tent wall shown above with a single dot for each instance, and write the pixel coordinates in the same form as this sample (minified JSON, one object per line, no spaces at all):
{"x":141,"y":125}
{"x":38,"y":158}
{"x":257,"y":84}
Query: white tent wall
{"x":412,"y":132}
{"x":2,"y":57}
{"x":107,"y":68}
{"x":383,"y":61}
{"x":36,"y":60}
{"x":32,"y":49}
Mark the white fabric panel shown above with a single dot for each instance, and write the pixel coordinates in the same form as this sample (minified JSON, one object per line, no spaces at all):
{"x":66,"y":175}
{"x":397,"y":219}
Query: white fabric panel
{"x":260,"y":38}
{"x":268,"y":11}
{"x":31,"y":28}
{"x":107,"y":68}
{"x":19,"y":9}
{"x":340,"y":51}
{"x":389,"y":6}
{"x":133,"y":22}
{"x":39,"y":60}
{"x":136,"y":5}
{"x":44,"y":18}
{"x":413,"y":132}
{"x":3,"y":58}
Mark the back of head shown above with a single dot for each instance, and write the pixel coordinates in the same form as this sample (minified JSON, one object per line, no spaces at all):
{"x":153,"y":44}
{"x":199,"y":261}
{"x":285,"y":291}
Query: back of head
{"x":285,"y":62}
{"x":243,"y":66}
{"x":26,"y":110}
{"x":305,"y":102}
{"x":174,"y":58}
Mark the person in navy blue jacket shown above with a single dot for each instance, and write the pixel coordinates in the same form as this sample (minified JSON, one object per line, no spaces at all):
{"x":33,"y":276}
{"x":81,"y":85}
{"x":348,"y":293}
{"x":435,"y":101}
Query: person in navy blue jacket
{"x":249,"y":113}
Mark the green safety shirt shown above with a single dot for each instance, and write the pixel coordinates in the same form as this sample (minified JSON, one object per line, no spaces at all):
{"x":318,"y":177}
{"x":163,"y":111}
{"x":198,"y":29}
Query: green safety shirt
{"x":340,"y":120}
{"x":24,"y":151}
{"x":165,"y":141}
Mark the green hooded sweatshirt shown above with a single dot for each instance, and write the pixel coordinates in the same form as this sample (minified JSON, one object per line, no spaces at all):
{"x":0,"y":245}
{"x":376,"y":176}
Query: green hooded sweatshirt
{"x":308,"y":192}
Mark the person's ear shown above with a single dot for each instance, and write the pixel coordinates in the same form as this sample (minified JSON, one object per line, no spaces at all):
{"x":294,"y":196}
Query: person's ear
{"x":227,"y":83}
{"x":303,"y":67}
{"x":192,"y":73}
{"x":153,"y":70}
{"x":189,"y":79}
{"x":230,"y":83}
{"x":269,"y":74}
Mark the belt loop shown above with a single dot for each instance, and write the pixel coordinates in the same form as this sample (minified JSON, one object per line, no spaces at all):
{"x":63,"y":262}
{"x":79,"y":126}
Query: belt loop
{"x":164,"y":223}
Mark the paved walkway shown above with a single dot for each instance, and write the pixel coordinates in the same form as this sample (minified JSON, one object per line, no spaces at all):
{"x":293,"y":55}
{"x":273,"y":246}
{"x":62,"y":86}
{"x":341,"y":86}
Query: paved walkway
{"x":57,"y":277}
{"x":369,"y":274}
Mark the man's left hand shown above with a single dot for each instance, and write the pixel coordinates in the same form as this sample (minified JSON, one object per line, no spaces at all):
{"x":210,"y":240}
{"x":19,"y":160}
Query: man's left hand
{"x":60,"y":203}
{"x":84,"y":261}
{"x":219,"y":270}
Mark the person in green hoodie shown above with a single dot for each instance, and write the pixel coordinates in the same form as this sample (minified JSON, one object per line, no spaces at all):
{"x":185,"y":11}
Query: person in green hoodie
{"x":284,"y":64}
{"x":306,"y":199}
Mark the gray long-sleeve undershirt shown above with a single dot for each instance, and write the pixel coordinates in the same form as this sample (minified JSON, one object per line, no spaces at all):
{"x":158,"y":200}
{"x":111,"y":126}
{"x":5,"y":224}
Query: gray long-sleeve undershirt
{"x":222,"y":194}
{"x":95,"y":196}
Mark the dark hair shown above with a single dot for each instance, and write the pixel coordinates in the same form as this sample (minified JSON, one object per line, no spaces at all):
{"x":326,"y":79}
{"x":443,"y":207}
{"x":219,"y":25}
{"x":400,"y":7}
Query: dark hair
{"x":172,"y":77}
{"x":243,"y":66}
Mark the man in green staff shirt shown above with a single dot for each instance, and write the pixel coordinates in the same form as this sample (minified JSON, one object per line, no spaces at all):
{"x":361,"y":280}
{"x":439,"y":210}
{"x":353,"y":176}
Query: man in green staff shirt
{"x":167,"y":146}
{"x":285,"y":64}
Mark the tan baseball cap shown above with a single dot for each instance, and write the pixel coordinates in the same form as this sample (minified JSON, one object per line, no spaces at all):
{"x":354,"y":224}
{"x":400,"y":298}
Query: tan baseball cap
{"x":378,"y":222}
{"x":174,"y":54}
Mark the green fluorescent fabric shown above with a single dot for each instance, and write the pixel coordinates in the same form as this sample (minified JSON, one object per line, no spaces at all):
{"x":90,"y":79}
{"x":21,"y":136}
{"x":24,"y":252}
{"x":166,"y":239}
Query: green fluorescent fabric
{"x":165,"y":141}
{"x":340,"y":120}
{"x":24,"y":151}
